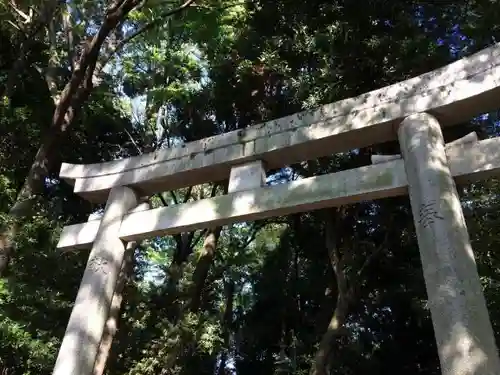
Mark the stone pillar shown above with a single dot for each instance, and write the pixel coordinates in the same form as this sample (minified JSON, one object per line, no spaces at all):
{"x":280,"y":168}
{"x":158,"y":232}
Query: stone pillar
{"x":462,"y":328}
{"x":81,"y":341}
{"x":111,"y":326}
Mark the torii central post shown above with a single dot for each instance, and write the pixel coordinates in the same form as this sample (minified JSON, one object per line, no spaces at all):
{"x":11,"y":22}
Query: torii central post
{"x":412,"y":111}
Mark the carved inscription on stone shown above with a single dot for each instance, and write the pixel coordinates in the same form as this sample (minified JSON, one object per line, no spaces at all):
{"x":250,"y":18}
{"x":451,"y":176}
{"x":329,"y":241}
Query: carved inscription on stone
{"x":99,"y":264}
{"x":427,"y":214}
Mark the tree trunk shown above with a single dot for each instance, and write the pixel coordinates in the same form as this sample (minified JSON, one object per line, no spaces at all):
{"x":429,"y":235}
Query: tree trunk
{"x":347,"y":290}
{"x":6,"y":239}
{"x":184,"y":248}
{"x":227,"y":321}
{"x":34,"y":26}
{"x":26,"y":198}
{"x":334,"y":330}
{"x":196,"y":293}
{"x":75,"y":93}
{"x":114,"y":313}
{"x":203,"y":266}
{"x":332,"y":241}
{"x":222,"y":365}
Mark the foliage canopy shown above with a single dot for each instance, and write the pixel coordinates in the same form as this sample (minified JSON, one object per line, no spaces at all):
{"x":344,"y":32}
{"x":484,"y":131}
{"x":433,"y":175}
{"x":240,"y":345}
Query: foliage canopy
{"x":250,"y":298}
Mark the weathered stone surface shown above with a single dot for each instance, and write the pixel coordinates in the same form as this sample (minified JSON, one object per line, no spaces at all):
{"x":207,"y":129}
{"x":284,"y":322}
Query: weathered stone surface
{"x":464,"y":141}
{"x":81,"y":341}
{"x":247,"y":177}
{"x":455,"y":92}
{"x":463,"y":331}
{"x":81,"y":236}
{"x":468,"y":163}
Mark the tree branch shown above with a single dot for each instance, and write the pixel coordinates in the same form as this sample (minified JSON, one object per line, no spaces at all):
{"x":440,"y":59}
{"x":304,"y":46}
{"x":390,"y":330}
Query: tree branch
{"x":174,"y":197}
{"x":27,"y":18}
{"x":70,"y":40}
{"x":50,"y":73}
{"x":368,"y":260}
{"x":133,"y":141}
{"x":159,"y":195}
{"x":27,"y":42}
{"x":188,"y":194}
{"x":228,"y":6}
{"x":142,"y":30}
{"x":255,"y":230}
{"x":195,"y":241}
{"x":14,"y":25}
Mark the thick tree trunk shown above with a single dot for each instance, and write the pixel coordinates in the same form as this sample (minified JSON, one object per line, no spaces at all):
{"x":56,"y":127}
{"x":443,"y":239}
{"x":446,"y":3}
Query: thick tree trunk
{"x":114,"y":313}
{"x":73,"y":96}
{"x":196,"y":293}
{"x":202,"y":267}
{"x":322,"y":357}
{"x":184,"y":248}
{"x":347,"y":290}
{"x":205,"y":262}
{"x":334,"y":330}
{"x":26,"y":198}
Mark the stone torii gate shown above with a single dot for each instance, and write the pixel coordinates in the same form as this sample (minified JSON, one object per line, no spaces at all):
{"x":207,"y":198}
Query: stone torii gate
{"x":412,"y":111}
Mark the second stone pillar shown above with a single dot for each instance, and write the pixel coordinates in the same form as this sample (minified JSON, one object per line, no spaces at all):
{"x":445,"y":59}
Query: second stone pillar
{"x":464,"y":335}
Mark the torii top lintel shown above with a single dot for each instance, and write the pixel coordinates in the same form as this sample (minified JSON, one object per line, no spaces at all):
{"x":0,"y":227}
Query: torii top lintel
{"x":453,"y":93}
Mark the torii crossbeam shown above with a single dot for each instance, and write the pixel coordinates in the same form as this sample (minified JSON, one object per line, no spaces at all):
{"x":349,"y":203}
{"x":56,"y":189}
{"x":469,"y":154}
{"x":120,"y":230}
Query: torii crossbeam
{"x":412,"y":111}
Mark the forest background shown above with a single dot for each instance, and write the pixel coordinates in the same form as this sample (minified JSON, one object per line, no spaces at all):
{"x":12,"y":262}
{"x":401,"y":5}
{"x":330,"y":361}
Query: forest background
{"x":336,"y":291}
